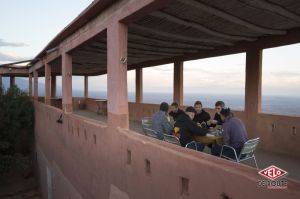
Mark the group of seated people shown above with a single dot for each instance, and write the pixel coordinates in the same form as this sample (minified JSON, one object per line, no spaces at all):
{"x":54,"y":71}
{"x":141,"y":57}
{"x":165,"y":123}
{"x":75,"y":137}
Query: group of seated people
{"x":195,"y":121}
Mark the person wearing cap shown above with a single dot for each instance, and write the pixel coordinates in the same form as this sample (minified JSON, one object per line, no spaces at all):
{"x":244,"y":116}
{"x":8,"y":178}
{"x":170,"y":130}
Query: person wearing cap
{"x":175,"y":111}
{"x":234,"y":134}
{"x":189,"y":128}
{"x":160,"y":123}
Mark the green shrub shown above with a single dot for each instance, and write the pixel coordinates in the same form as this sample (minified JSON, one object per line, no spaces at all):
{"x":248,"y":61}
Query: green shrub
{"x":16,"y":127}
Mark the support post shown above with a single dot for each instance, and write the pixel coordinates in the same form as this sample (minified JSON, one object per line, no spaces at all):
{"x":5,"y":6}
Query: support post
{"x":86,"y":86}
{"x":139,"y":85}
{"x":67,"y":83}
{"x":117,"y":36}
{"x":47,"y":83}
{"x":253,"y":87}
{"x":178,"y":82}
{"x":30,"y":84}
{"x":12,"y":81}
{"x":36,"y":86}
{"x":53,"y":86}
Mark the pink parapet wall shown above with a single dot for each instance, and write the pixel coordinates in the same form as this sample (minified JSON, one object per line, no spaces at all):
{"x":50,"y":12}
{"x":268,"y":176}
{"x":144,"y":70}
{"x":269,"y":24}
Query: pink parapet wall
{"x":81,"y":158}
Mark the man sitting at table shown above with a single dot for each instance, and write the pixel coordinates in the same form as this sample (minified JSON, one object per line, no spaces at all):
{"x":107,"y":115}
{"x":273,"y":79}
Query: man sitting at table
{"x":217,"y":118}
{"x":175,"y":111}
{"x":201,"y":115}
{"x":234,"y":134}
{"x":189,"y":128}
{"x":160,"y":123}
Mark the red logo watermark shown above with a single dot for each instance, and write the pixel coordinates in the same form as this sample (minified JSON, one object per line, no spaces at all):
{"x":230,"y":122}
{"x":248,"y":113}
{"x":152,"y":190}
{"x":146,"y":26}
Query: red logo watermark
{"x":272,"y":172}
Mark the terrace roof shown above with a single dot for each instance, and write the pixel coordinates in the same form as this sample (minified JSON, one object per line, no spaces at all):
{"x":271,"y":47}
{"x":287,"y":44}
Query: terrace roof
{"x":185,"y":30}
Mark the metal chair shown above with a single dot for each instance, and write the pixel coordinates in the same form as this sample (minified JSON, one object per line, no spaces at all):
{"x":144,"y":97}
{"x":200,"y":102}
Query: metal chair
{"x":151,"y":133}
{"x":171,"y":139}
{"x":146,"y":123}
{"x":192,"y":145}
{"x":246,"y":153}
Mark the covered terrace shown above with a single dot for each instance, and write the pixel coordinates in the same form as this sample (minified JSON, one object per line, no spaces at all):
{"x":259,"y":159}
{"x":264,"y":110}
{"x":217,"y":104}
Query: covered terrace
{"x":171,"y":32}
{"x":112,"y":37}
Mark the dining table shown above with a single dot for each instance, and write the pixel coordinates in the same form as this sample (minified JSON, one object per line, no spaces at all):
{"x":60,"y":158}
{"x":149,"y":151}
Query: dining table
{"x":212,"y":137}
{"x":209,"y":139}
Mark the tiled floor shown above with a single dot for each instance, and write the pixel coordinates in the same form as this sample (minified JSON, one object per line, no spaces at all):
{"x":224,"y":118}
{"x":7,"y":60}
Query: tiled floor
{"x":264,"y":158}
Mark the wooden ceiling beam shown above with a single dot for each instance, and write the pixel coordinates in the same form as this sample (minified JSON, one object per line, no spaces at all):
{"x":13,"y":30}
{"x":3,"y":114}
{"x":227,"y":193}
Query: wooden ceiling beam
{"x":261,"y":4}
{"x":149,"y":52}
{"x":135,"y":48}
{"x":168,"y":43}
{"x":157,"y":42}
{"x":159,"y":49}
{"x":214,"y":11}
{"x":179,"y":37}
{"x":199,"y":27}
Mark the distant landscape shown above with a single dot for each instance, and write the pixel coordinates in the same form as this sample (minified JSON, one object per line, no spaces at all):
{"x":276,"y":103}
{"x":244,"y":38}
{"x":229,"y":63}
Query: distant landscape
{"x":281,"y":105}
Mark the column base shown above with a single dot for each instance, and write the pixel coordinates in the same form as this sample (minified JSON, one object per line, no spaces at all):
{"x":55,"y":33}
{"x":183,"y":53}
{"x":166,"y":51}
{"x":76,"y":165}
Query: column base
{"x":118,"y":120}
{"x":67,"y":108}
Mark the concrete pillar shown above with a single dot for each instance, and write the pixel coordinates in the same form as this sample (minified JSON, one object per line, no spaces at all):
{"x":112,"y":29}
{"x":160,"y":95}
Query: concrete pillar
{"x":139,"y":85}
{"x":47,"y":83}
{"x":178,"y":82}
{"x":117,"y":36}
{"x":67,"y":83}
{"x":36,"y":85}
{"x":253,"y":87}
{"x":86,"y":86}
{"x":0,"y":81}
{"x":53,"y":86}
{"x":30,"y":85}
{"x":12,"y":81}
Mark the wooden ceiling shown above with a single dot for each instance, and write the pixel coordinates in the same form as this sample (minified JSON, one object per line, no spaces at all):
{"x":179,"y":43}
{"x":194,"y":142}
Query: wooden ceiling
{"x":187,"y":27}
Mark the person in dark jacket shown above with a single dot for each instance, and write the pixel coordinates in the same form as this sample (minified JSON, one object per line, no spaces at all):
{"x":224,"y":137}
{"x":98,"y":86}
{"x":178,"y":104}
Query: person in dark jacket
{"x":217,"y":118}
{"x":189,"y":128}
{"x":175,"y":111}
{"x":234,"y":134}
{"x":201,"y":115}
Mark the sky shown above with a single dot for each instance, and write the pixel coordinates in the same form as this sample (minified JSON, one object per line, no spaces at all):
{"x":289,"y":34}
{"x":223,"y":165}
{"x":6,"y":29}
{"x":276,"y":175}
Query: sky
{"x":26,"y":27}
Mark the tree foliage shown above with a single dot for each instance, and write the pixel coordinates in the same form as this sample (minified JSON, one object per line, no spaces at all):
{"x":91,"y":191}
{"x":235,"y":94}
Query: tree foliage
{"x":16,"y":124}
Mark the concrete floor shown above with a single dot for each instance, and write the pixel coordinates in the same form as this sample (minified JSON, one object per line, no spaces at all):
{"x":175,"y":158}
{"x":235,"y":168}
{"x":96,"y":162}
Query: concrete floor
{"x":264,"y":158}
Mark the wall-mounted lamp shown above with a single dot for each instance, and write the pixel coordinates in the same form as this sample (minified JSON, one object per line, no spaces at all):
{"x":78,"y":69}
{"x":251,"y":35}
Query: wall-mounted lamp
{"x":123,"y":60}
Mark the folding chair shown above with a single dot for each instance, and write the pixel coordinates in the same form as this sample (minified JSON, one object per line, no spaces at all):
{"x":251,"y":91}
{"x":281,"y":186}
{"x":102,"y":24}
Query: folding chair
{"x":151,"y":133}
{"x":146,"y":123}
{"x":171,"y":139}
{"x":195,"y":146}
{"x":246,"y":153}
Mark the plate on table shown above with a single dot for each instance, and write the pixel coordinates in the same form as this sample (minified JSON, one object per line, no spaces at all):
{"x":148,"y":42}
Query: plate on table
{"x":210,"y":135}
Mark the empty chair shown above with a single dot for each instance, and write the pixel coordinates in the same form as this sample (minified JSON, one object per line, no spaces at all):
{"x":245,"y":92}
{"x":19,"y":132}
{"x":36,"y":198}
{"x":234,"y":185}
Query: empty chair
{"x":151,"y":133}
{"x":247,"y":151}
{"x":146,"y":123}
{"x":171,"y":139}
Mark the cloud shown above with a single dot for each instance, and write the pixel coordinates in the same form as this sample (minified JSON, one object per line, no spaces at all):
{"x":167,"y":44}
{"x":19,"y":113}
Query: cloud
{"x":288,"y":79}
{"x":7,"y":57}
{"x":286,"y":74}
{"x":11,"y":44}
